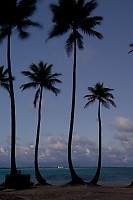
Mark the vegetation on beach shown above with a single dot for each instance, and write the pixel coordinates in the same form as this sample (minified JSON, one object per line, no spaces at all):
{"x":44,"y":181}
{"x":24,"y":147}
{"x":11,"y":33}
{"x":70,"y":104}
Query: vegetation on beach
{"x":105,"y":98}
{"x":4,"y":79}
{"x":69,"y":16}
{"x":14,"y":16}
{"x":79,"y":18}
{"x":41,"y":78}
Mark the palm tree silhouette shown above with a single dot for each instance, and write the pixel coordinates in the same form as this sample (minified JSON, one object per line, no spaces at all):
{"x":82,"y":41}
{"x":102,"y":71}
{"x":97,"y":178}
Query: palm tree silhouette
{"x":4,"y":79}
{"x":105,"y":98}
{"x":74,"y":15}
{"x":41,"y":78}
{"x":14,"y":15}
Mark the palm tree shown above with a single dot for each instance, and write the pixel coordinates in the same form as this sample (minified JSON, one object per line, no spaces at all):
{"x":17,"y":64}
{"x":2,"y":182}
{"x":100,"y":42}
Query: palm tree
{"x":14,"y":15}
{"x":131,"y":45}
{"x":105,"y":98}
{"x":4,"y":80}
{"x":41,"y":78}
{"x":74,"y":15}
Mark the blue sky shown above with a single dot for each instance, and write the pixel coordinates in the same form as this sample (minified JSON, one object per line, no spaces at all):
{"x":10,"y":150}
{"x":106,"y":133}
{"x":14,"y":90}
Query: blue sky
{"x":104,"y":60}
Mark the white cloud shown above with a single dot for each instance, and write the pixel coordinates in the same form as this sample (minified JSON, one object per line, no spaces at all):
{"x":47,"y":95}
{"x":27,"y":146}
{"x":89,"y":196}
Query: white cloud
{"x":53,"y":152}
{"x":123,"y":124}
{"x":59,"y":146}
{"x":124,"y":134}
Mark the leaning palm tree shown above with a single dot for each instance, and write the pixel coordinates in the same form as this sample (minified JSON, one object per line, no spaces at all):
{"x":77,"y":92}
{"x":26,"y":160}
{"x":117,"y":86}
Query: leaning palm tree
{"x":105,"y":98}
{"x":4,"y":80}
{"x":74,"y":15}
{"x":131,"y":45}
{"x":41,"y":78}
{"x":14,"y":15}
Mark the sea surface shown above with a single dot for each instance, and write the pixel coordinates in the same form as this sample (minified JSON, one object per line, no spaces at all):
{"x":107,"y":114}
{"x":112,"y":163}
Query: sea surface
{"x":110,"y":176}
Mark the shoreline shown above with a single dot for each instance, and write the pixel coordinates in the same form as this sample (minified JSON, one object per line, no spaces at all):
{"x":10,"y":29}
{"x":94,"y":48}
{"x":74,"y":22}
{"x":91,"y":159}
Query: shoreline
{"x":68,"y":192}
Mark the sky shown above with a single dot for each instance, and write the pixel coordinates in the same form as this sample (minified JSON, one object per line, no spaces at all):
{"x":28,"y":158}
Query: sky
{"x":106,"y":61}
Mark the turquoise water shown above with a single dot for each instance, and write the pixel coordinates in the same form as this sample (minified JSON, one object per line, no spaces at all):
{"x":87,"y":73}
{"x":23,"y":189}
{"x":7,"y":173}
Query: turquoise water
{"x":117,"y":176}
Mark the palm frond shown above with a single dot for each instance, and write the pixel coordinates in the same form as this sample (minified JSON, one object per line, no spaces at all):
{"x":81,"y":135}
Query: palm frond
{"x":69,"y":44}
{"x":27,"y":8}
{"x":53,"y":77}
{"x":77,"y":18}
{"x":58,"y":30}
{"x":4,"y":79}
{"x":5,"y":73}
{"x":5,"y":86}
{"x":3,"y":33}
{"x":36,"y":97}
{"x":90,"y":6}
{"x":42,"y":77}
{"x":101,"y":94}
{"x":23,"y":34}
{"x":28,"y":85}
{"x":130,"y":51}
{"x":111,"y":102}
{"x":89,"y":102}
{"x":34,"y":68}
{"x":30,"y":75}
{"x":79,"y":39}
{"x":95,"y":33}
{"x":131,"y":45}
{"x":105,"y":103}
{"x":88,"y":96}
{"x":17,"y":16}
{"x":27,"y":23}
{"x":53,"y":89}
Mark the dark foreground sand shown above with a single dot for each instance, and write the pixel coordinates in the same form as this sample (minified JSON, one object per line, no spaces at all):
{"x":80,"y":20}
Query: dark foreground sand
{"x":69,"y":193}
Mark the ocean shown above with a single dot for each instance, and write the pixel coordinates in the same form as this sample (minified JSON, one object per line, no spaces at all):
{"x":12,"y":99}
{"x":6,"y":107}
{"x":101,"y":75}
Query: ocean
{"x":110,"y":176}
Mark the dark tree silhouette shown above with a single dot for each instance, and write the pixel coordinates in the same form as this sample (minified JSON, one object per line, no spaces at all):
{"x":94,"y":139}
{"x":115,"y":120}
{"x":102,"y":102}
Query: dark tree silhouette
{"x":14,"y":14}
{"x":131,"y":45}
{"x":74,"y":15}
{"x":41,"y":78}
{"x":4,"y":79}
{"x":105,"y":98}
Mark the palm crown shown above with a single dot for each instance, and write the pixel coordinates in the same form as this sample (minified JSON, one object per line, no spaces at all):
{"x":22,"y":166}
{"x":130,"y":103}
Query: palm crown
{"x":74,"y":15}
{"x":102,"y":94}
{"x":14,"y":14}
{"x":4,"y":80}
{"x":41,"y":77}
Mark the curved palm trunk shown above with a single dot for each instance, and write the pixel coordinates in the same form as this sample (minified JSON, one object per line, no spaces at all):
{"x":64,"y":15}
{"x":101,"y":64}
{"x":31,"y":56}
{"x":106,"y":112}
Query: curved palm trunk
{"x":75,"y":178}
{"x":13,"y":163}
{"x":39,"y":178}
{"x":96,"y":177}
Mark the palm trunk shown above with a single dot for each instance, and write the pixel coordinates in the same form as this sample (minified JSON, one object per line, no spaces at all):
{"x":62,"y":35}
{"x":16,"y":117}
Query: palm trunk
{"x":39,"y":178}
{"x":96,"y":177}
{"x":13,"y":163}
{"x":75,"y":178}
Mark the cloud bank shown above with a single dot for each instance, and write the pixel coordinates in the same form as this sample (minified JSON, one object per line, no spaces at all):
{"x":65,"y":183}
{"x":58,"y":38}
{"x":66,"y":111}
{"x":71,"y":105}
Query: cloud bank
{"x":53,"y":150}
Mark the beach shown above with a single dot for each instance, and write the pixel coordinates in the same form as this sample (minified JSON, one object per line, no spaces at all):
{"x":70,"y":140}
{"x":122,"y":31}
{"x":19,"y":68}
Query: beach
{"x":61,"y":192}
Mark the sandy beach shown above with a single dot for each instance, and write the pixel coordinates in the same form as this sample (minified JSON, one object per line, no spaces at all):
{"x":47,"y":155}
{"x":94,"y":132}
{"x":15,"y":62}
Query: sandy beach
{"x":69,"y":193}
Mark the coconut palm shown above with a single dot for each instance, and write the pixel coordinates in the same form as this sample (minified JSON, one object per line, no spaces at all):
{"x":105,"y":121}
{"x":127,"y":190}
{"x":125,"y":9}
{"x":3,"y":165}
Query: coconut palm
{"x":105,"y":98}
{"x":4,"y":80}
{"x":41,"y":77}
{"x":14,"y":15}
{"x":74,"y":15}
